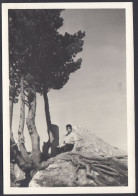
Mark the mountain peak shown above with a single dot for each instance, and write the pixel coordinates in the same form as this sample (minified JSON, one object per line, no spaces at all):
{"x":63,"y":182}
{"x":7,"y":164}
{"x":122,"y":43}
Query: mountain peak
{"x":90,"y":142}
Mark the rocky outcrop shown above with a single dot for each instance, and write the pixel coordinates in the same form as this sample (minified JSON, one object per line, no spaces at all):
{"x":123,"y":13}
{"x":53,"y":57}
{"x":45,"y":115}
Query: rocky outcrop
{"x":57,"y":174}
{"x":92,"y":143}
{"x":73,"y":169}
{"x":93,"y":163}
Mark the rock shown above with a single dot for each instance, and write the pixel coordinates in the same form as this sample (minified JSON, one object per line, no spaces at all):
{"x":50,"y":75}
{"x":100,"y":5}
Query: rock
{"x":92,"y":143}
{"x":16,"y":175}
{"x":75,"y":169}
{"x":60,"y":174}
{"x":93,"y":163}
{"x":55,"y":175}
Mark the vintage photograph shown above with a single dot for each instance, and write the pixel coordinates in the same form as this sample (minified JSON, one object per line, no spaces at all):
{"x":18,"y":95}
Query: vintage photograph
{"x":67,"y":87}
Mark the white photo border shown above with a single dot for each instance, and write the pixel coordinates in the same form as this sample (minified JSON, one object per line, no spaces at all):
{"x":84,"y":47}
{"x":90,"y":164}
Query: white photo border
{"x":128,"y":6}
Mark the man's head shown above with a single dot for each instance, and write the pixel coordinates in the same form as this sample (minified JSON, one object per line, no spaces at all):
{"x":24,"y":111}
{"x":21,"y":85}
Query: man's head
{"x":69,"y":128}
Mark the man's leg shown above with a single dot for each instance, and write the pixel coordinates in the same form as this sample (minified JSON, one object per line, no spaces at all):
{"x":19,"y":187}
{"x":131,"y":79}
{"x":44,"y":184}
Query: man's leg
{"x":65,"y":148}
{"x":68,"y":147}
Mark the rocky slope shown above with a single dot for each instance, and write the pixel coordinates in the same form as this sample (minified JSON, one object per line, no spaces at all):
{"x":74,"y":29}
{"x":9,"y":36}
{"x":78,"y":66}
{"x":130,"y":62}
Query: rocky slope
{"x":76,"y":169}
{"x":92,"y":143}
{"x":95,"y":164}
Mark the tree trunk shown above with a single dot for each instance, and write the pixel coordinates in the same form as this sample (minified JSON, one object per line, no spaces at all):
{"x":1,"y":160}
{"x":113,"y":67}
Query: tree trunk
{"x":48,"y":119}
{"x":30,"y":121}
{"x":15,"y":154}
{"x":17,"y":157}
{"x":11,"y":115}
{"x":21,"y":138}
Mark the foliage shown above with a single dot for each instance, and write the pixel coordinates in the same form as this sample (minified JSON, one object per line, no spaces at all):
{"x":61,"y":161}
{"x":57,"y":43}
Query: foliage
{"x":40,"y":59}
{"x":38,"y":51}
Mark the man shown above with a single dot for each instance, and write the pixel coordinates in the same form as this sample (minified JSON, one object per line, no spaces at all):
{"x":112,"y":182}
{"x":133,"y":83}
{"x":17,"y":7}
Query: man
{"x":70,"y":140}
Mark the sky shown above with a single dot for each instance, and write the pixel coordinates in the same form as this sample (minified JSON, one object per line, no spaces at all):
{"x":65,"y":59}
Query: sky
{"x":95,"y":95}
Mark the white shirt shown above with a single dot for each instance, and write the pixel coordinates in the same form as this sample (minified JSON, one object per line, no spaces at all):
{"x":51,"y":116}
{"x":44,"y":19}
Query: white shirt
{"x":70,"y":138}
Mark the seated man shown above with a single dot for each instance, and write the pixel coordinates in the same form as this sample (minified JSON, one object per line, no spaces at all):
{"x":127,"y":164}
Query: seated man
{"x":69,"y":140}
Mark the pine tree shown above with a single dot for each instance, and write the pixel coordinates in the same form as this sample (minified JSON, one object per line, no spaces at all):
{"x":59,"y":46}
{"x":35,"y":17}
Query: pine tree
{"x":41,"y":59}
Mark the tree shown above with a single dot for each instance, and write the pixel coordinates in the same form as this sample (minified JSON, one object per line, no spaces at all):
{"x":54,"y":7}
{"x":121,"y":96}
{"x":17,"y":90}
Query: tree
{"x":62,"y":62}
{"x":17,"y":62}
{"x":40,"y":59}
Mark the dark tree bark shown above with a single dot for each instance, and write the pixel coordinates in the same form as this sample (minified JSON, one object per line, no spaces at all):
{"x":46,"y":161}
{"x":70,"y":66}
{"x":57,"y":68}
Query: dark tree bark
{"x":30,"y":121}
{"x":17,"y":156}
{"x":48,"y":119}
{"x":11,"y":115}
{"x":53,"y":131}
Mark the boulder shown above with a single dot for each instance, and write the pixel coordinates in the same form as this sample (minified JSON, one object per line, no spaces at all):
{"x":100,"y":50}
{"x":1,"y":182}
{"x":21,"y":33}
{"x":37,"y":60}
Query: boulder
{"x":73,"y":169}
